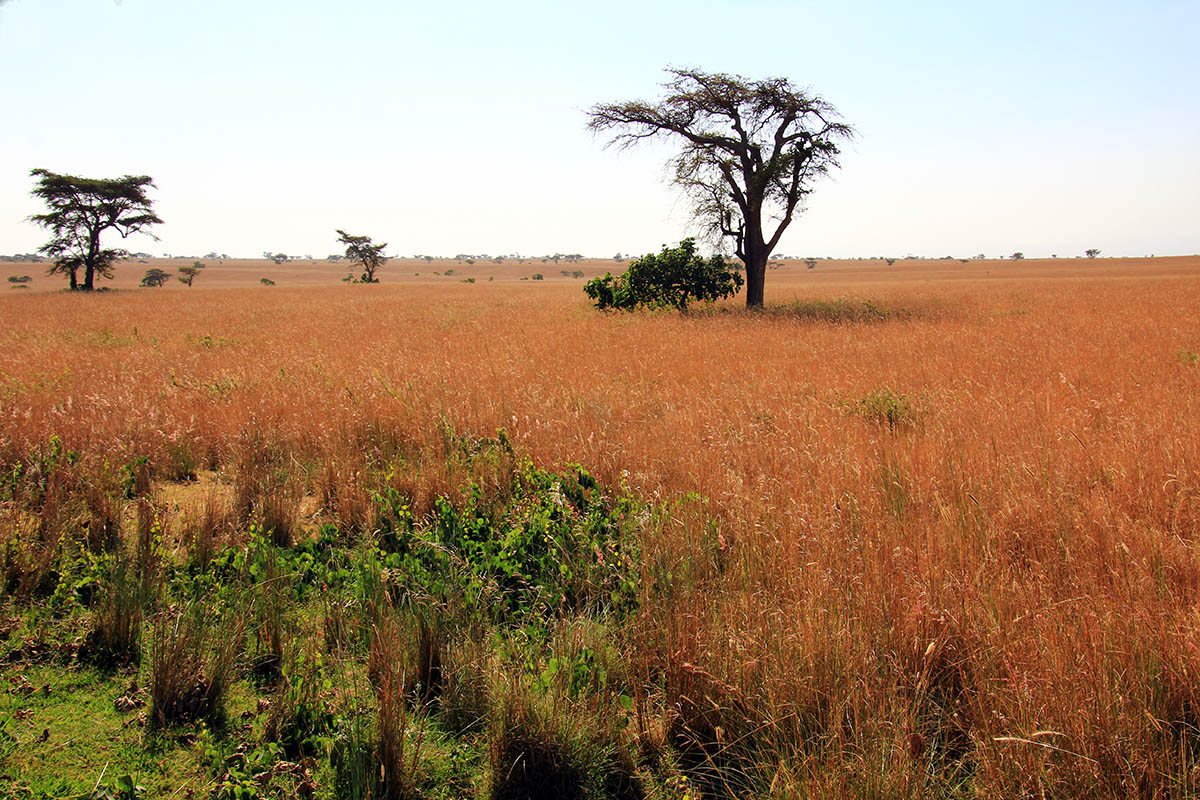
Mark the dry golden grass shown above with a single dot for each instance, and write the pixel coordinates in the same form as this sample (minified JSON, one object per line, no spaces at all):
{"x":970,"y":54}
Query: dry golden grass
{"x":1010,"y":575}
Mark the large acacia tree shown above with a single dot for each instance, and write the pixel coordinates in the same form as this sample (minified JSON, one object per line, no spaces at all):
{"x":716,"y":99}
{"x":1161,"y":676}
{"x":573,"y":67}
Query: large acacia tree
{"x":751,"y":152}
{"x":80,"y":210}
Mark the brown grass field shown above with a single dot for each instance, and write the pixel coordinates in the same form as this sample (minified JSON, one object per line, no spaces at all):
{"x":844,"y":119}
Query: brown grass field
{"x":944,"y":545}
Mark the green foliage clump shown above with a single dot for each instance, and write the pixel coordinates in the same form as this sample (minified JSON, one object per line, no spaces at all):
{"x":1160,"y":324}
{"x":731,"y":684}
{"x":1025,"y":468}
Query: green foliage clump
{"x":888,"y":407}
{"x":673,"y":278}
{"x":558,"y":545}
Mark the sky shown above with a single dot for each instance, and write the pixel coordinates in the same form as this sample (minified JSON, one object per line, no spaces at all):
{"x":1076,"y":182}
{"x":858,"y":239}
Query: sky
{"x":460,"y":127}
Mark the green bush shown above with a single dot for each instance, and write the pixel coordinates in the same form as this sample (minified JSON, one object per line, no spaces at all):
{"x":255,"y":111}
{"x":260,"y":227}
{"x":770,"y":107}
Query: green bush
{"x":887,"y":407}
{"x":673,"y":278}
{"x":559,"y":545}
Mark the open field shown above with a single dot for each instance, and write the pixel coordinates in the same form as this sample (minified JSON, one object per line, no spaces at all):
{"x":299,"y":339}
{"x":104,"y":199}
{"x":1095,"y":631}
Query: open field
{"x":920,"y":530}
{"x":784,"y":276}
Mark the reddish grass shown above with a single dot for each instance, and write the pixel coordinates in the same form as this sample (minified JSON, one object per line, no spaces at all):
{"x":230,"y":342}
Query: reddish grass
{"x":1010,"y":583}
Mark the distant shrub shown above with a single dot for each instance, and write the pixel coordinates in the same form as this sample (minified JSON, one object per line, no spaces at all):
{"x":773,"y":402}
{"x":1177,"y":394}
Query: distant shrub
{"x":19,"y":279}
{"x":1188,"y":357}
{"x":537,"y":276}
{"x":266,"y":282}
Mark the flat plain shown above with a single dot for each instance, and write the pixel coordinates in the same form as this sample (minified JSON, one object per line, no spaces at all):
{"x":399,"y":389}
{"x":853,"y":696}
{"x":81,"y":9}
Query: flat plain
{"x":927,"y":529}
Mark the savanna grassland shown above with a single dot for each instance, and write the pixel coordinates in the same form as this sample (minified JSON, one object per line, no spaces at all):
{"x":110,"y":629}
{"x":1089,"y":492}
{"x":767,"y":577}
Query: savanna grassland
{"x":927,"y":530}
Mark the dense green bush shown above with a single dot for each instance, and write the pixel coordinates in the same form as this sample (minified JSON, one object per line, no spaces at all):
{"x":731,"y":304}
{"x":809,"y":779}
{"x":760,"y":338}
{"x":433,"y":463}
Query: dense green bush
{"x":559,"y":544}
{"x":673,"y":278}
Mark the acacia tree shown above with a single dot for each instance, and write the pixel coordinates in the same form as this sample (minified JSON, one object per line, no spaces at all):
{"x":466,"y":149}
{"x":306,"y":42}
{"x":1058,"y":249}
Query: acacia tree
{"x":188,"y":274}
{"x":80,"y":210}
{"x":359,"y":249}
{"x":751,"y":152}
{"x":155,"y":277}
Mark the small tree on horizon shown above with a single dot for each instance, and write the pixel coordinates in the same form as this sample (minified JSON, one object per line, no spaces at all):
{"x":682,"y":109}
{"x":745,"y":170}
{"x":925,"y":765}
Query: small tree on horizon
{"x":188,"y":274}
{"x":81,"y":210}
{"x":1092,"y":253}
{"x":155,"y":277}
{"x":360,"y":250}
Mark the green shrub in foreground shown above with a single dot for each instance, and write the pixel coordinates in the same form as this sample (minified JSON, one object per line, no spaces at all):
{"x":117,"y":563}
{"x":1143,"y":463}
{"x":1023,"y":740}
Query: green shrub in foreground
{"x":559,"y":544}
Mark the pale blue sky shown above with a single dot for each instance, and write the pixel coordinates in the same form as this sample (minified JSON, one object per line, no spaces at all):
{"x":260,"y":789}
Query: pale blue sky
{"x":1047,"y":127}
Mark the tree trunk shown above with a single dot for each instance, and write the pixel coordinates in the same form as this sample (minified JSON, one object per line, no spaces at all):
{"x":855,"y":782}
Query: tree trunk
{"x":756,"y":263}
{"x":74,"y":282}
{"x":756,"y":274}
{"x":89,"y":267}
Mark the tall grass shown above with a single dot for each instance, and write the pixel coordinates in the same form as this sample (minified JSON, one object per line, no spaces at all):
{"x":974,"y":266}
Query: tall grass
{"x":193,"y":656}
{"x":997,"y":601}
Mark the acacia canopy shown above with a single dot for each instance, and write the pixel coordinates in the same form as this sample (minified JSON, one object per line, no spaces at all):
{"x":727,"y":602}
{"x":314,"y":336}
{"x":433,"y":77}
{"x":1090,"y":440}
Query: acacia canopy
{"x":80,"y":210}
{"x":751,"y":152}
{"x":362,"y":251}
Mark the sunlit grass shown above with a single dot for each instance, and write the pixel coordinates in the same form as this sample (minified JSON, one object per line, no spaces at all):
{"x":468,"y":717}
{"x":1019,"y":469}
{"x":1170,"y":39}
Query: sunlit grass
{"x":914,"y":542}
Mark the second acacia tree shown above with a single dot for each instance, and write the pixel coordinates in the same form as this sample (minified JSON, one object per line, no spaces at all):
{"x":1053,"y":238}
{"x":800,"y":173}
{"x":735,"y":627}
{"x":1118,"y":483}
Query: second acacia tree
{"x":360,"y":250}
{"x":751,"y":152}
